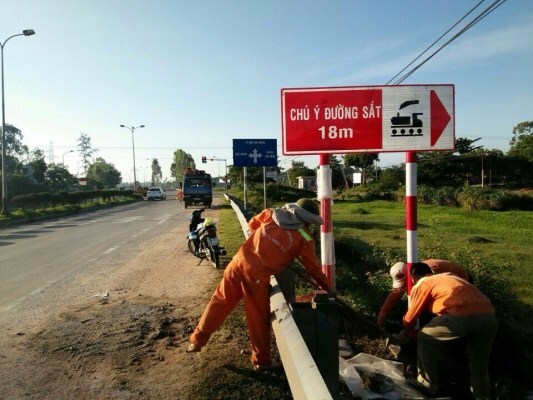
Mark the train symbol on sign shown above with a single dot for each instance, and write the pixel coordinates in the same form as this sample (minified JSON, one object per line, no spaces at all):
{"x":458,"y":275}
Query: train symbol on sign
{"x":407,"y":125}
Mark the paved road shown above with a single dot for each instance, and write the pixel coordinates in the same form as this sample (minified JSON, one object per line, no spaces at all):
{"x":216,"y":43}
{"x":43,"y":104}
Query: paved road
{"x":35,"y":256}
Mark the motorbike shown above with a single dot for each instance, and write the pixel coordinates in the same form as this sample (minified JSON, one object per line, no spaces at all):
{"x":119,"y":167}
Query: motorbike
{"x":203,"y":240}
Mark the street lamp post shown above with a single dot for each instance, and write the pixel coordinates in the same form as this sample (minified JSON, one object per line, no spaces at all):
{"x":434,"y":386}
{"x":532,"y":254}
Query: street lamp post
{"x":66,"y":152}
{"x":132,"y":129}
{"x":25,"y":32}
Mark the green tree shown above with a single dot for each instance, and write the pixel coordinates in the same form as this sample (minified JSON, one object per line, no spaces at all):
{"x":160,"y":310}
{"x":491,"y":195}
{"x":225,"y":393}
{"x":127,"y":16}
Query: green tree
{"x":298,"y":168}
{"x":522,"y":141}
{"x":58,"y":178}
{"x":181,"y":161}
{"x":38,"y":165}
{"x":392,"y":178}
{"x":157,"y":174}
{"x":15,"y":149}
{"x":14,"y":145}
{"x":337,"y":172}
{"x":523,"y":129}
{"x":103,"y":175}
{"x":253,"y":175}
{"x":86,"y":150}
{"x":362,"y":162}
{"x":458,"y":167}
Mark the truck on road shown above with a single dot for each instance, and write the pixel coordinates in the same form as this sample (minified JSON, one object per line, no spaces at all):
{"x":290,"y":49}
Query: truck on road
{"x":197,"y":188}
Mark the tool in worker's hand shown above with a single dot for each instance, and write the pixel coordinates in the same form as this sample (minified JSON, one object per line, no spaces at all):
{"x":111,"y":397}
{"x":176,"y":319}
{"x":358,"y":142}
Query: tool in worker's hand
{"x":349,"y":310}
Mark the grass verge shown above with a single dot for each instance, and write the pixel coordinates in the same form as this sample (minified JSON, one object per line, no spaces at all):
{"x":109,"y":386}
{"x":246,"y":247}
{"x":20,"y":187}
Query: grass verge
{"x":22,"y":216}
{"x":494,"y":246}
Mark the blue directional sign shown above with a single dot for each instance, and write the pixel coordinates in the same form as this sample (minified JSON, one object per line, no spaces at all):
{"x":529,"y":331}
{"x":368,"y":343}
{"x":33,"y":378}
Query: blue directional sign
{"x":255,"y":152}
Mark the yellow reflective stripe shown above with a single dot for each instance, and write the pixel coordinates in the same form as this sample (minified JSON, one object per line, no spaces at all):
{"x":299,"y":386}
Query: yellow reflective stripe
{"x":305,"y":234}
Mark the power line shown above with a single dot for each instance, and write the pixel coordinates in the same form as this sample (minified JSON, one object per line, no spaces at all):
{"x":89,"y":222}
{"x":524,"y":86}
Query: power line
{"x":436,"y":41}
{"x":481,"y":16}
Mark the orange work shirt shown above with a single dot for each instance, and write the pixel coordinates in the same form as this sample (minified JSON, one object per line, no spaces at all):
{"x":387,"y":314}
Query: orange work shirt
{"x":445,"y":293}
{"x":270,"y":248}
{"x":440,"y":266}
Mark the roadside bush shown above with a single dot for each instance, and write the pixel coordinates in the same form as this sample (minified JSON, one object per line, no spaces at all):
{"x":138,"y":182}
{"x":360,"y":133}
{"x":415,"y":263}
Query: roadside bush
{"x":44,"y":199}
{"x":472,"y":198}
{"x":275,"y":194}
{"x":55,"y":200}
{"x":443,"y":196}
{"x":106,"y":195}
{"x":376,"y":192}
{"x":480,"y":198}
{"x":92,"y":195}
{"x":281,"y":193}
{"x":23,"y":201}
{"x":62,"y":197}
{"x":74,"y":198}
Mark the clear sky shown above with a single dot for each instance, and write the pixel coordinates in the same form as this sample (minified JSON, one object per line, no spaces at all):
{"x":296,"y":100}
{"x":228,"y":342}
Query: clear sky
{"x":201,"y":73}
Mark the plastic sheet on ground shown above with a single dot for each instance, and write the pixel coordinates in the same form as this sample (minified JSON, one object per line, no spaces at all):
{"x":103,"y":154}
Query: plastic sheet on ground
{"x":370,"y":377}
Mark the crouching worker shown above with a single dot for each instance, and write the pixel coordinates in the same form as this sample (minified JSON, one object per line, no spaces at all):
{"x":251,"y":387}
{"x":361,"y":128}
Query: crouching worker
{"x":462,"y":311}
{"x":277,"y":237}
{"x":398,"y":273}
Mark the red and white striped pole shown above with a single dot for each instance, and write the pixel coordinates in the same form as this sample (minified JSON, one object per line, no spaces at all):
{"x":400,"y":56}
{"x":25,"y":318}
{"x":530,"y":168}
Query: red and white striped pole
{"x":411,"y":214}
{"x":325,"y":195}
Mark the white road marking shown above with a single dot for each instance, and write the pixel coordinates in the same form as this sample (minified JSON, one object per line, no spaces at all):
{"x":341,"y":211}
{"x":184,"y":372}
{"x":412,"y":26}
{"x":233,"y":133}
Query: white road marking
{"x":141,"y":232}
{"x":110,"y":250}
{"x":126,"y":220}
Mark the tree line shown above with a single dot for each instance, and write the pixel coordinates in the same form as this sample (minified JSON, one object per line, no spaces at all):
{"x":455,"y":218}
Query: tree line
{"x":28,"y":172}
{"x":467,"y":165}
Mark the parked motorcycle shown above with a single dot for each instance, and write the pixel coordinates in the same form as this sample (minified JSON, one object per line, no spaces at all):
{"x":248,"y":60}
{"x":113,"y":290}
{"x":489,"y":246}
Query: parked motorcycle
{"x":203,"y":240}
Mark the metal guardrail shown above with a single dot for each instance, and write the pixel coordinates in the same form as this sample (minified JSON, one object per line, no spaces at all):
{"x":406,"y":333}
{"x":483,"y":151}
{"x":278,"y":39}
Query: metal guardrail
{"x":303,"y":375}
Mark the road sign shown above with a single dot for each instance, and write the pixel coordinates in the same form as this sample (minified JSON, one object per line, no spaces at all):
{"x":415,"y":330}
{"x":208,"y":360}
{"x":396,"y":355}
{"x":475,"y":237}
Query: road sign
{"x":255,"y":152}
{"x":368,"y":119}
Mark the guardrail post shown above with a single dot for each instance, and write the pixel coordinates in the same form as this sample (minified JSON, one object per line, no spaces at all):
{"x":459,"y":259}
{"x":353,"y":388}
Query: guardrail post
{"x":285,"y":281}
{"x":302,"y":372}
{"x":318,"y":323}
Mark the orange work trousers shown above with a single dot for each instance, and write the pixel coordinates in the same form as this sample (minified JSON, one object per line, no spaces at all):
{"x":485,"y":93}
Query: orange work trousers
{"x":235,"y":285}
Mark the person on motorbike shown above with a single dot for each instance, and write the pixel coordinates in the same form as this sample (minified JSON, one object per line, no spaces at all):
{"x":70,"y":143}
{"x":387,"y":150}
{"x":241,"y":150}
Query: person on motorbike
{"x":277,"y":237}
{"x":195,"y":220}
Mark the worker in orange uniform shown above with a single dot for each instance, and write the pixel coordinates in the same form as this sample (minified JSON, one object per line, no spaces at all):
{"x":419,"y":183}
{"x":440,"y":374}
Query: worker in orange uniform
{"x":277,"y":237}
{"x":462,"y":311}
{"x":398,"y":273}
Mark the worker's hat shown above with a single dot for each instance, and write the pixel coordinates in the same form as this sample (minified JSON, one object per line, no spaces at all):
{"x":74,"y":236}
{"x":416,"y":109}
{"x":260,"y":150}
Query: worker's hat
{"x":309,"y":205}
{"x":398,"y":273}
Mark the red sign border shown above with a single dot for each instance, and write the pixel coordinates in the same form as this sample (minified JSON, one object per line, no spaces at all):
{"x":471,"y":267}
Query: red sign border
{"x":356,"y":88}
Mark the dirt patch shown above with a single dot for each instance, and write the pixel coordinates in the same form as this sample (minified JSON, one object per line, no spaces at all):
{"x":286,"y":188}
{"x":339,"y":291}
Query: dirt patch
{"x":116,"y":331}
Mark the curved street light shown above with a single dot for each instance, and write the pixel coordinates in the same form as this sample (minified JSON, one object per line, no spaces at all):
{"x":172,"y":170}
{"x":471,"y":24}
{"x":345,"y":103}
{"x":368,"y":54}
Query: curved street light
{"x":132,"y":129}
{"x":25,"y":32}
{"x":66,"y":152}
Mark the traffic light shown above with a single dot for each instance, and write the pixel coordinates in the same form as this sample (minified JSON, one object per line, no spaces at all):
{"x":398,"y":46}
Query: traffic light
{"x":204,"y":160}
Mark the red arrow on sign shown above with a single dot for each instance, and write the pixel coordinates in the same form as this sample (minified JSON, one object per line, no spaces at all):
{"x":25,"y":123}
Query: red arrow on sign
{"x":439,"y":117}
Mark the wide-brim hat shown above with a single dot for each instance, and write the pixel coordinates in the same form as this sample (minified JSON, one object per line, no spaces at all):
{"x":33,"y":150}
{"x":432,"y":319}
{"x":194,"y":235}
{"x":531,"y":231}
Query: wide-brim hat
{"x":398,"y":273}
{"x":309,"y":205}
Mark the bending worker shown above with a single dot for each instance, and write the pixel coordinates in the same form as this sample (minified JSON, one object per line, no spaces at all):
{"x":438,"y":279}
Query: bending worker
{"x":462,"y":311}
{"x":398,"y":273}
{"x":277,"y":237}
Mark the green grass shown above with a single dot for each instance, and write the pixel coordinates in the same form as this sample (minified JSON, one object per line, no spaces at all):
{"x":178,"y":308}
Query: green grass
{"x":369,"y":235}
{"x":504,"y":238}
{"x":18,"y":215}
{"x":496,"y":248}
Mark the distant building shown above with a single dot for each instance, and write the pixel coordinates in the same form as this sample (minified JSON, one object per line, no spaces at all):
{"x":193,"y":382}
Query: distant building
{"x":307,"y":182}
